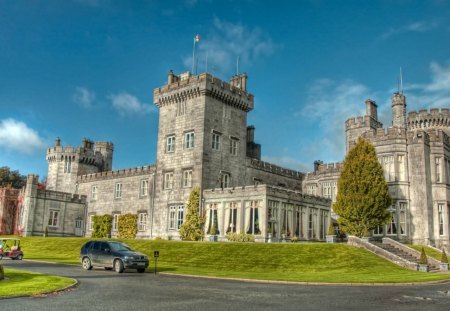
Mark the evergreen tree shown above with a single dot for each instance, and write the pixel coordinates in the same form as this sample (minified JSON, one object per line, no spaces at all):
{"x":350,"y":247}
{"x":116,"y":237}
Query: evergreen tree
{"x":363,"y":196}
{"x":11,"y":178}
{"x":192,"y":228}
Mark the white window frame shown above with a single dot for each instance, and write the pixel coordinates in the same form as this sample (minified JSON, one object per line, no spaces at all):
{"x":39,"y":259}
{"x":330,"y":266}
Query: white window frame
{"x":94,"y":193}
{"x":180,"y":216}
{"x":216,"y":141}
{"x":170,"y":144}
{"x":115,"y":222}
{"x":176,"y":217}
{"x":91,"y":222}
{"x":225,"y":180}
{"x":441,"y":222}
{"x":143,"y":189}
{"x":189,"y":140}
{"x":187,"y":178}
{"x":438,"y":169}
{"x":118,"y":191}
{"x":234,"y":146}
{"x":168,"y":180}
{"x":142,"y":221}
{"x":53,"y":218}
{"x":401,"y":167}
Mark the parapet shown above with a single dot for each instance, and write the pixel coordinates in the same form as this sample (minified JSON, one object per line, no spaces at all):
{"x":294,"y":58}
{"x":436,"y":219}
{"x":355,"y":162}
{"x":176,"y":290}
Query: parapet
{"x":429,"y":119}
{"x":321,"y":169}
{"x":274,"y":169}
{"x":123,"y":173}
{"x":186,"y":86}
{"x":381,"y":134}
{"x":60,"y":196}
{"x":362,"y":121}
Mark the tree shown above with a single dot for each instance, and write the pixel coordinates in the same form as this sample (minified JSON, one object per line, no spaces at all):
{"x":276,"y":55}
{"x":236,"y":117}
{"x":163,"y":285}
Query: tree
{"x":192,"y":228}
{"x":13,"y":178}
{"x":363,"y":195}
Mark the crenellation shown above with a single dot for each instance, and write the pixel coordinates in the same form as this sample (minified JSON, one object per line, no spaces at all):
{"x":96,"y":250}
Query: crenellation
{"x":136,"y":171}
{"x":269,"y":167}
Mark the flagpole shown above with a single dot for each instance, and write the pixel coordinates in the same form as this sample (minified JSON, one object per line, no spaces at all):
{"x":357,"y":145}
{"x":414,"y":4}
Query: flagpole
{"x":193,"y":57}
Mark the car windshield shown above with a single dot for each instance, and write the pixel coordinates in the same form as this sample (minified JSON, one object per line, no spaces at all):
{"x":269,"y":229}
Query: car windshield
{"x":119,"y":247}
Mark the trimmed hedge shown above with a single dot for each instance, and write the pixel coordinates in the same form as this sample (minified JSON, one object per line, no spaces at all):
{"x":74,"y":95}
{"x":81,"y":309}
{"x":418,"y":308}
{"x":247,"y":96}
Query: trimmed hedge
{"x":127,"y":226}
{"x":102,"y":226}
{"x":240,"y":237}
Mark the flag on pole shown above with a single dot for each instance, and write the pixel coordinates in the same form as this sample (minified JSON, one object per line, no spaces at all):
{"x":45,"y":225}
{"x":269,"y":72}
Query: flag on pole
{"x":197,"y":38}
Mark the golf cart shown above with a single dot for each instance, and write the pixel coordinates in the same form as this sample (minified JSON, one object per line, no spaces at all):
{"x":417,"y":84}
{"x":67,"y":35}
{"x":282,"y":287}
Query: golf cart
{"x":10,"y":247}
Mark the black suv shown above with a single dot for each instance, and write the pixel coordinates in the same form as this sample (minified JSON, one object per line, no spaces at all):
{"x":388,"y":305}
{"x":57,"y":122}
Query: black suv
{"x":111,"y":255}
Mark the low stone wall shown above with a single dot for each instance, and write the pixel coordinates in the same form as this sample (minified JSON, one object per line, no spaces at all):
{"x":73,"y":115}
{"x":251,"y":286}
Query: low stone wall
{"x":355,"y":241}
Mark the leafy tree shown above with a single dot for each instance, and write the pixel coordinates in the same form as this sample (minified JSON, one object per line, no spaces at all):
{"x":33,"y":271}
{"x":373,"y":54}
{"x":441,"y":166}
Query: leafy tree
{"x":363,"y":197}
{"x":102,"y":226}
{"x":127,"y":226}
{"x":13,"y":178}
{"x":192,"y":228}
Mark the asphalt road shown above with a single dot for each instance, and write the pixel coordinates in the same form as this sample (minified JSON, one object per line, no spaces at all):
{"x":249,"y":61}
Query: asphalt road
{"x":106,"y":290}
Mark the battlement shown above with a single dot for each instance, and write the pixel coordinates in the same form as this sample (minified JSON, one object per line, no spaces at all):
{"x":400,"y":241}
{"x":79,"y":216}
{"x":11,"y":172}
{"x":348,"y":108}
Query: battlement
{"x":123,"y":173}
{"x":429,"y":119}
{"x":321,"y":168}
{"x":381,"y":134}
{"x":184,"y":87}
{"x":361,"y":122}
{"x":439,"y":136}
{"x":274,"y":169}
{"x":60,"y":196}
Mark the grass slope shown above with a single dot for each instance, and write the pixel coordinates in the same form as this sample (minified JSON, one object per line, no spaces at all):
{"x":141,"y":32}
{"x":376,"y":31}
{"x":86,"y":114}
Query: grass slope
{"x":430,"y":252}
{"x":306,"y":262}
{"x":20,"y":283}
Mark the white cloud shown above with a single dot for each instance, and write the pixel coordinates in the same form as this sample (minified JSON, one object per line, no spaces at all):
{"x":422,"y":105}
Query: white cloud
{"x":84,"y":97}
{"x":413,"y":27}
{"x":17,"y":136}
{"x":287,"y":162}
{"x":127,"y":104}
{"x":227,"y":41}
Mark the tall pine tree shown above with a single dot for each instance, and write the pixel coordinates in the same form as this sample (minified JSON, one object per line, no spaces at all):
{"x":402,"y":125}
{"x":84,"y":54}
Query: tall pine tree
{"x":192,"y":228}
{"x":363,"y":196}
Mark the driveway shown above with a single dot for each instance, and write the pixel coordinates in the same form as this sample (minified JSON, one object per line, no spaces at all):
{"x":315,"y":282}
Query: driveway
{"x":106,"y":290}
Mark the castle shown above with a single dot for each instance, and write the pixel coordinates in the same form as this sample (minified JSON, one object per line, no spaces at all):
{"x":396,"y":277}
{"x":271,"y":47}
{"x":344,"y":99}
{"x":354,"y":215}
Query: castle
{"x":204,"y":141}
{"x":415,"y":155}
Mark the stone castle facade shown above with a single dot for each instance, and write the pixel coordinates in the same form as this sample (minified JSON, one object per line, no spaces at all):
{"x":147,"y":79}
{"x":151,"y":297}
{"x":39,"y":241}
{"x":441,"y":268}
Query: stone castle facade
{"x":203,"y":141}
{"x":415,"y":155}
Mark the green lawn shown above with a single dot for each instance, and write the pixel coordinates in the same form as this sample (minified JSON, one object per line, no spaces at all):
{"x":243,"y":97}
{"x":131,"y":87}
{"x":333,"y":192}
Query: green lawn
{"x":21,"y":283}
{"x":431,"y":252}
{"x":305,"y":262}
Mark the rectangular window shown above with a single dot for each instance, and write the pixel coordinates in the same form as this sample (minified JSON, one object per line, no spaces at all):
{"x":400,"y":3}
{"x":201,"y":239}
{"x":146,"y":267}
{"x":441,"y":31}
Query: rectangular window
{"x":53,"y":218}
{"x":212,"y":216}
{"x":176,"y":214}
{"x":388,"y":167}
{"x":170,"y":144}
{"x":142,"y":221}
{"x":168,"y":180}
{"x":187,"y":178}
{"x":311,"y":189}
{"x":402,"y":218}
{"x":189,"y":140}
{"x":438,"y":169}
{"x":233,"y":146}
{"x":143,"y":192}
{"x":441,"y":218}
{"x":180,"y":216}
{"x":78,"y":223}
{"x":91,"y":222}
{"x":326,"y":190}
{"x":118,"y":192}
{"x":216,"y":141}
{"x":252,"y":220}
{"x":273,"y":217}
{"x":232,"y":220}
{"x":94,"y":193}
{"x":67,"y":165}
{"x":115,"y":224}
{"x":225,"y":180}
{"x":392,"y":225}
{"x":401,"y":167}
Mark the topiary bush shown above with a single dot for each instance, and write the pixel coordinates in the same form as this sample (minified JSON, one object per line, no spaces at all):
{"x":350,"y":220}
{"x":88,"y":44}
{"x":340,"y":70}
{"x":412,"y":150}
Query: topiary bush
{"x":331,"y":230}
{"x":127,"y":226}
{"x":2,"y":272}
{"x":240,"y":237}
{"x":444,"y":258}
{"x":102,"y":226}
{"x":423,"y":258}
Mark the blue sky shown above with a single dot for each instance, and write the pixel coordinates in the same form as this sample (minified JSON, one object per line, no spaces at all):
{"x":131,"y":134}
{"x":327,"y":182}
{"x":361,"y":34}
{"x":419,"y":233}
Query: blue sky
{"x":87,"y":68}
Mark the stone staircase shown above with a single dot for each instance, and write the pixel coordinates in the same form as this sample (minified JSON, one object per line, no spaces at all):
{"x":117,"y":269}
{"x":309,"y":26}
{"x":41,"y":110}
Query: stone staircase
{"x":394,"y":251}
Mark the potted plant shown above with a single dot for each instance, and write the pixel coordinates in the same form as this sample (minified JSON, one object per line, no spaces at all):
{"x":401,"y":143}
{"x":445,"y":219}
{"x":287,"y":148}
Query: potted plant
{"x":283,"y":234}
{"x":423,"y":262}
{"x":444,"y":261}
{"x":269,"y":234}
{"x":213,"y":233}
{"x":331,"y":235}
{"x":294,"y":239}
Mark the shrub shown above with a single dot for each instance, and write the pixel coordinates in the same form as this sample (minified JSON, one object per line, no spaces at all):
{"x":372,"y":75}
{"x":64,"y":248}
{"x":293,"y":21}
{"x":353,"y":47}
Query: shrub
{"x":444,"y":257}
{"x":331,"y":229}
{"x":423,"y":258}
{"x":102,"y":226}
{"x":240,"y":237}
{"x":192,"y":228}
{"x":294,"y":239}
{"x":2,"y":272}
{"x":127,"y":226}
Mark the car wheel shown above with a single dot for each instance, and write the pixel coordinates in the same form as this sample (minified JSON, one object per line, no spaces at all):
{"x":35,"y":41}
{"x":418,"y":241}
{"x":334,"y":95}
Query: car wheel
{"x":86,"y":263}
{"x":19,"y":257}
{"x":141,"y":270}
{"x":118,"y":266}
